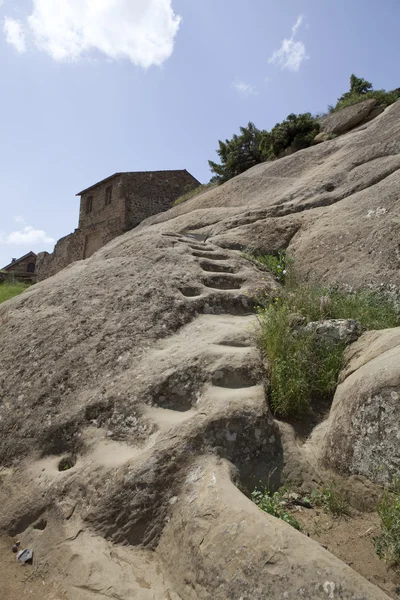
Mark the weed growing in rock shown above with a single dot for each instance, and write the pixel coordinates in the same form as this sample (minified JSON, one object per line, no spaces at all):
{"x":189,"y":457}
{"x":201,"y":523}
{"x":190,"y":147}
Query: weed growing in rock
{"x":302,"y":366}
{"x":387,"y":545}
{"x":274,"y":504}
{"x":192,"y":193}
{"x":333,"y":499}
{"x":279,"y":264}
{"x":9,"y":290}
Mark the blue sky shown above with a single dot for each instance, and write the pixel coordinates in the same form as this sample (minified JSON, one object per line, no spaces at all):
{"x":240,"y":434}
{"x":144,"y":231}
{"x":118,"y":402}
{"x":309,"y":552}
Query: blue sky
{"x":91,"y":88}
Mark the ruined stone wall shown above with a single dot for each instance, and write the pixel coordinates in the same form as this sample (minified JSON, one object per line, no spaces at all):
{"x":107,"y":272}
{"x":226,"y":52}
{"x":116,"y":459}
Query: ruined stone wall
{"x":150,"y":193}
{"x":67,"y":250}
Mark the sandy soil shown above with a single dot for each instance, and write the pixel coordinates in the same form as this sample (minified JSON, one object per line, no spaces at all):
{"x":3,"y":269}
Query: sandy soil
{"x":24,"y":581}
{"x":350,"y":539}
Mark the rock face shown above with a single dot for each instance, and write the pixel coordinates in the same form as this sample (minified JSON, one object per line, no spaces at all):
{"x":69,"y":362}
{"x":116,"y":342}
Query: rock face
{"x":347,"y":118}
{"x":142,"y":410}
{"x":361,"y":435}
{"x":335,"y":330}
{"x":333,"y":206}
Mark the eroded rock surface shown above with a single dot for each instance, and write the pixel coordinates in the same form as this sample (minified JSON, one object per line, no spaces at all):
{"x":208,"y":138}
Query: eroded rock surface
{"x":345,"y":119}
{"x":362,"y":433}
{"x":133,"y":396}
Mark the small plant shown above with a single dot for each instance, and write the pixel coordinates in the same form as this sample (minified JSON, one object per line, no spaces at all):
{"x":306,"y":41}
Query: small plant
{"x":274,"y":504}
{"x":333,"y":499}
{"x":279,"y":264}
{"x":191,"y":193}
{"x":387,"y":544}
{"x":302,"y":367}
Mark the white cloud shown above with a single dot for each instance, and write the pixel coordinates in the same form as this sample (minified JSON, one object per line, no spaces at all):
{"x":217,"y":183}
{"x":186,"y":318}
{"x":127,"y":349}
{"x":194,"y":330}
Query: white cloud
{"x":19,"y":219}
{"x":142,"y":31}
{"x":291,"y":53}
{"x":15,"y":34}
{"x":245,"y":89}
{"x":28,"y":236}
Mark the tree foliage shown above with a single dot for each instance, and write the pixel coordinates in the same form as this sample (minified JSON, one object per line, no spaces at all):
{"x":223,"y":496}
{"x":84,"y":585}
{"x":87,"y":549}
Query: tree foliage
{"x":238,"y":154}
{"x":253,"y":146}
{"x":361,"y":90}
{"x":294,"y":133}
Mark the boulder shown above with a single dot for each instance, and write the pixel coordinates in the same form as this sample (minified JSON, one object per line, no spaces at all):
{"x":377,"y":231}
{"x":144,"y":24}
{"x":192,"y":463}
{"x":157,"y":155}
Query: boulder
{"x":335,"y":330}
{"x":322,"y":137}
{"x":361,"y":435}
{"x":347,"y":118}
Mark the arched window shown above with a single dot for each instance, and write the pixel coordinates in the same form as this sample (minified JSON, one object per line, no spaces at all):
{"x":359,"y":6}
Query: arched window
{"x":31,"y":267}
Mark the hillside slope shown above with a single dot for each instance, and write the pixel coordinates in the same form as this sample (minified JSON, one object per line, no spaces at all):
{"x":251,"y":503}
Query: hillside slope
{"x":334,"y":206}
{"x":133,"y":401}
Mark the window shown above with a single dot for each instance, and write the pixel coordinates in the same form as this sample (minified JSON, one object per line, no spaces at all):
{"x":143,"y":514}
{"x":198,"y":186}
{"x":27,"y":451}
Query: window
{"x":31,"y":268}
{"x":108,"y":197}
{"x":89,"y":205}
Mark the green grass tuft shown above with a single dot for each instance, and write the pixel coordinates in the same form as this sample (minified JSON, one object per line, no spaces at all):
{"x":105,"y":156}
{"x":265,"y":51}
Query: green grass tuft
{"x":333,"y":499}
{"x":302,"y":368}
{"x":387,"y":544}
{"x":193,"y":192}
{"x":9,"y":290}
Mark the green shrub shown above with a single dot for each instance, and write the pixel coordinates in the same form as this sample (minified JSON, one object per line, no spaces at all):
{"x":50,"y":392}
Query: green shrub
{"x":192,"y":193}
{"x":274,"y":505}
{"x":361,"y":90}
{"x":237,"y":154}
{"x":9,"y":290}
{"x":387,"y":544}
{"x":302,"y":368}
{"x":383,"y":99}
{"x":294,"y":133}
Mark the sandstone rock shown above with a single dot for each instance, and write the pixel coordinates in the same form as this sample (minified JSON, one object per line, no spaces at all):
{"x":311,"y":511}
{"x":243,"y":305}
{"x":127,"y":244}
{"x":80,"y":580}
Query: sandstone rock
{"x":322,"y":137}
{"x":347,"y":118}
{"x":335,"y":330}
{"x":141,"y":365}
{"x":334,"y":207}
{"x":361,"y":435}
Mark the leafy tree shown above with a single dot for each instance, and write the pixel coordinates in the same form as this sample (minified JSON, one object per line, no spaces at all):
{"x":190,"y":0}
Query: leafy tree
{"x":294,"y":133}
{"x":359,"y":85}
{"x":238,"y":154}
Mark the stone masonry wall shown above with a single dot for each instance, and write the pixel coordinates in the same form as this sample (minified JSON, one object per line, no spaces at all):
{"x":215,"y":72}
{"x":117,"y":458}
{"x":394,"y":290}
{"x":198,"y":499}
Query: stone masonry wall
{"x":153,"y":192}
{"x":102,"y":212}
{"x":67,"y":250}
{"x":20,"y":269}
{"x":134,"y":197}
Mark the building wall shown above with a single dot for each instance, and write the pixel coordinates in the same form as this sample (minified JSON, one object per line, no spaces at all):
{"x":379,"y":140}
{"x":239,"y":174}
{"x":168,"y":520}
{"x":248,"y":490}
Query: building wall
{"x":101,"y":212}
{"x":20,"y":269}
{"x":67,"y":250}
{"x":150,"y":193}
{"x":135,"y":196}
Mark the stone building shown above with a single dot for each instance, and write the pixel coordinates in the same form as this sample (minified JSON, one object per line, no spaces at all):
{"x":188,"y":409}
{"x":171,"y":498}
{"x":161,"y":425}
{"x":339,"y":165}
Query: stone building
{"x":22,"y":268}
{"x":112,"y":207}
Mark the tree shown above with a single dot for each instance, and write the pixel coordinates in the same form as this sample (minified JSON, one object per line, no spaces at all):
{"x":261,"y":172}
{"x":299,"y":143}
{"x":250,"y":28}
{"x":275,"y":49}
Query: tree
{"x":359,"y":85}
{"x":361,"y":90}
{"x":294,"y":133}
{"x":238,"y":154}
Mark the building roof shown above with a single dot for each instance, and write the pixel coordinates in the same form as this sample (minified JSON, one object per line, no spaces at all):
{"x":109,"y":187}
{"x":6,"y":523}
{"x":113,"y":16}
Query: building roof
{"x":18,"y":260}
{"x":131,"y":173}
